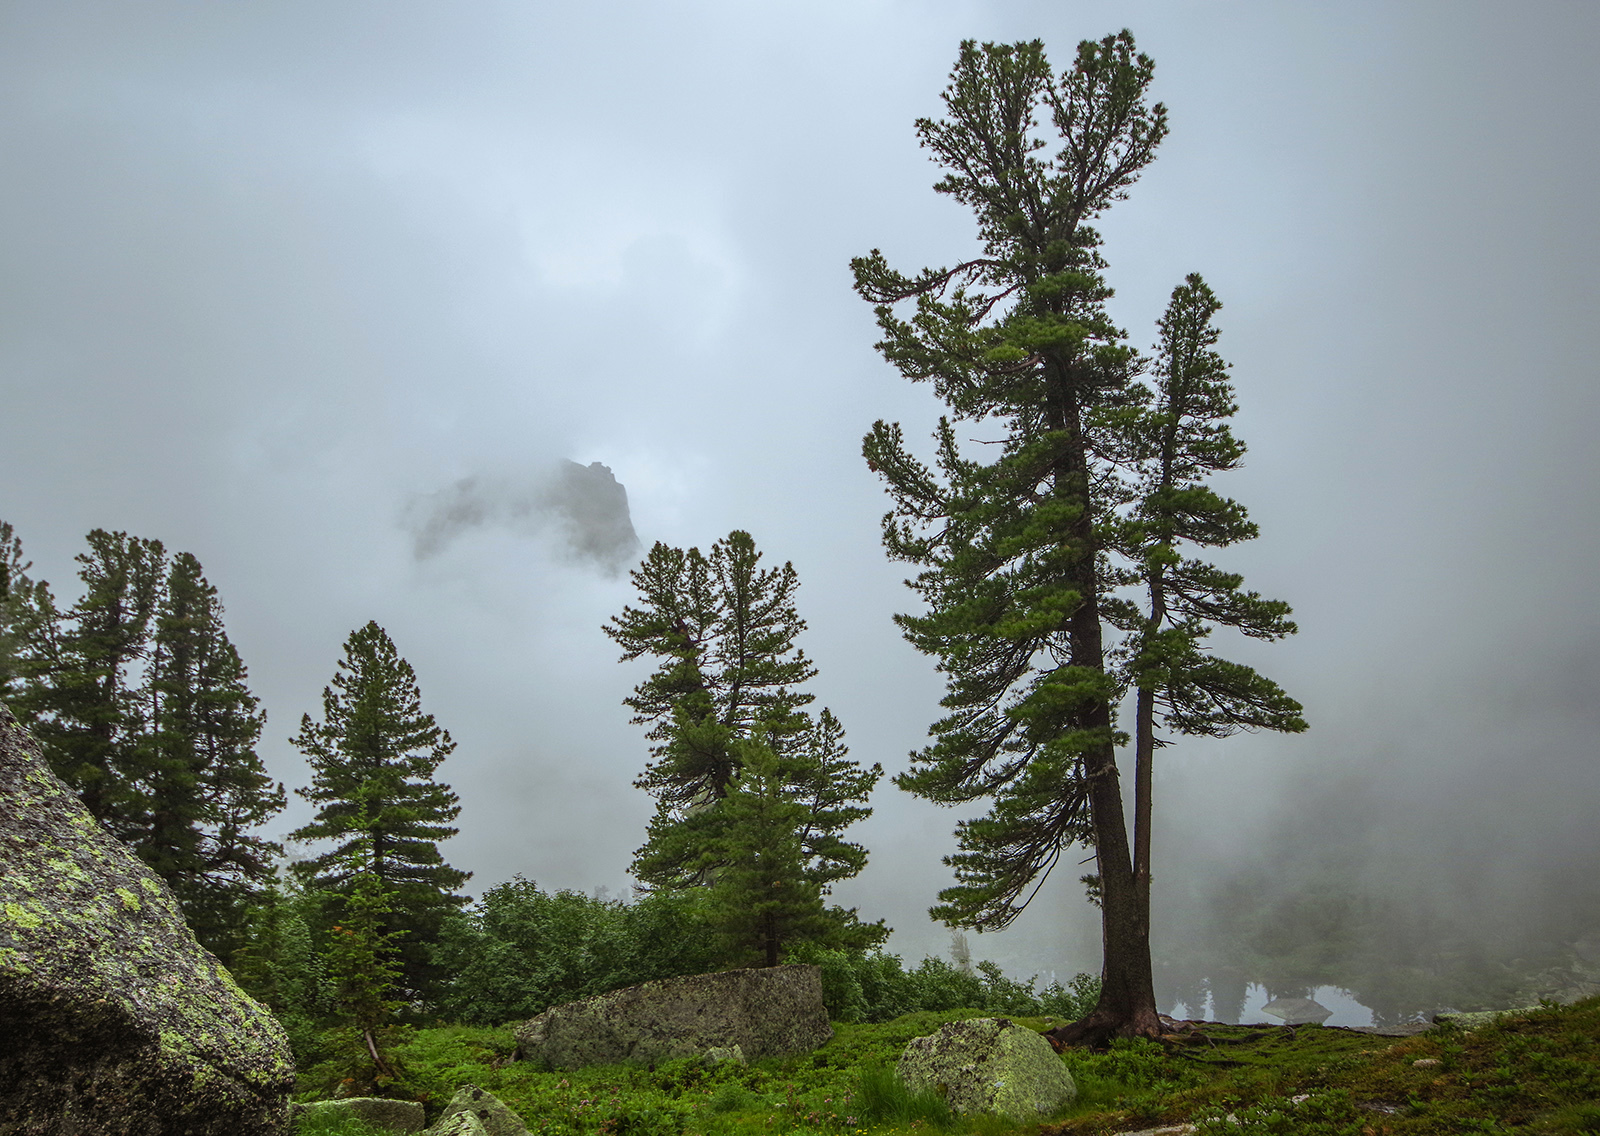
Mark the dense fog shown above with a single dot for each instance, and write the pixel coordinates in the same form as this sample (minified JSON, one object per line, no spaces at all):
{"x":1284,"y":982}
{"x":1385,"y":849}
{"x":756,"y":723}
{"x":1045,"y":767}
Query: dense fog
{"x":440,"y":315}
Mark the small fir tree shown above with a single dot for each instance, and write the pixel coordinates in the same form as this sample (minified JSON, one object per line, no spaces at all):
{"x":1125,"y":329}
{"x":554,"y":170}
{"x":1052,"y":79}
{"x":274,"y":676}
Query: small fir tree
{"x":373,"y":759}
{"x":762,"y":896}
{"x":18,"y":607}
{"x":365,"y":970}
{"x":724,"y":630}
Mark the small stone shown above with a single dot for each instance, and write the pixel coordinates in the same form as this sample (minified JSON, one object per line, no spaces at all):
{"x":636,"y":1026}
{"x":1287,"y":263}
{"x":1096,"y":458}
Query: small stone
{"x":1426,"y":1063}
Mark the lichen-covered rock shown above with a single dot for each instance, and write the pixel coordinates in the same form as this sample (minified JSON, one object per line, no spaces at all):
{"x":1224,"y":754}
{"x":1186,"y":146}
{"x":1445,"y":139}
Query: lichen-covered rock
{"x":460,"y":1124}
{"x":378,"y":1112}
{"x":494,"y":1117}
{"x":771,"y":1012}
{"x":989,"y":1065}
{"x":112,"y":1018}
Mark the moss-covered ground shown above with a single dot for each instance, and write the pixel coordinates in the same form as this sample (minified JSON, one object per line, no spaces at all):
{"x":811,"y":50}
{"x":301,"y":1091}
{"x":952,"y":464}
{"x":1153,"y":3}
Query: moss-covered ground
{"x":1538,"y":1073}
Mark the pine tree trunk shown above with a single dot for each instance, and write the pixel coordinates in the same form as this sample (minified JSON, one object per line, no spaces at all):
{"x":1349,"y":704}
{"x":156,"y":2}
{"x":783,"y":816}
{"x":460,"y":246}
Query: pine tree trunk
{"x":1127,"y":1006}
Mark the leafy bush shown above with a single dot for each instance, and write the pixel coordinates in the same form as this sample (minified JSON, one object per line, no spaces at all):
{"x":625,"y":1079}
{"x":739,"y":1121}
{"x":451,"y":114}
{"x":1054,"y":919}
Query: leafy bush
{"x":876,"y":987}
{"x":521,"y":950}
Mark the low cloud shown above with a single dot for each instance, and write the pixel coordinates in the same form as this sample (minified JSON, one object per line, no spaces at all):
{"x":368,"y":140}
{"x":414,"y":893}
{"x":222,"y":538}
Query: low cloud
{"x":584,"y":508}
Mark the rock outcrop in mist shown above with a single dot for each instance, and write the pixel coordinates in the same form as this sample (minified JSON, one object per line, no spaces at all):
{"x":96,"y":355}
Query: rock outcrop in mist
{"x":584,"y":508}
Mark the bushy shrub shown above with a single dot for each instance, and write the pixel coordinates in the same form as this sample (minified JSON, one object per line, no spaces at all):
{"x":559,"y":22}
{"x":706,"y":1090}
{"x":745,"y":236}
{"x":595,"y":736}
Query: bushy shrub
{"x":521,"y":950}
{"x":876,"y":987}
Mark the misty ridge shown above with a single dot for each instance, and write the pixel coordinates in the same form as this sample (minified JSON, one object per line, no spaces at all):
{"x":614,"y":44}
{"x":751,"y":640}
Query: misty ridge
{"x":581,"y":510}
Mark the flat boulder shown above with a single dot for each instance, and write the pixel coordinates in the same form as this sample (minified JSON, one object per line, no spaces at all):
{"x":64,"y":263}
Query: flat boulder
{"x":112,"y":1018}
{"x":770,"y":1012}
{"x":989,"y":1065}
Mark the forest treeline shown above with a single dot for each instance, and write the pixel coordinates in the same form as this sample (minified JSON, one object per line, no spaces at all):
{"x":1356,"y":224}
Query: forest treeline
{"x":141,"y":705}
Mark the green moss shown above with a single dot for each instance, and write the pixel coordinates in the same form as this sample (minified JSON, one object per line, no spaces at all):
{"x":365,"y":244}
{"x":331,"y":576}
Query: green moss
{"x":129,"y":900}
{"x":150,"y":885}
{"x":22,"y":917}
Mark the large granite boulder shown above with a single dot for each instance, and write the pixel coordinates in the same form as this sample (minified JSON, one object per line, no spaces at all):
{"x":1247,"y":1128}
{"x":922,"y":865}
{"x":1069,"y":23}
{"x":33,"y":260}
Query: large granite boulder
{"x":772,"y":1012}
{"x":989,"y":1065}
{"x":112,"y":1018}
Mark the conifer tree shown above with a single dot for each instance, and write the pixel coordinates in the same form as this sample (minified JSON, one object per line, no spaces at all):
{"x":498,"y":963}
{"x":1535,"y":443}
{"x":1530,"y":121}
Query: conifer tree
{"x":1017,"y":341}
{"x":762,"y":896}
{"x":365,"y":970}
{"x":373,"y":759}
{"x":1178,"y":441}
{"x":17,"y":602}
{"x":729,"y":671}
{"x":204,"y":787}
{"x":85,"y":703}
{"x":139,"y":702}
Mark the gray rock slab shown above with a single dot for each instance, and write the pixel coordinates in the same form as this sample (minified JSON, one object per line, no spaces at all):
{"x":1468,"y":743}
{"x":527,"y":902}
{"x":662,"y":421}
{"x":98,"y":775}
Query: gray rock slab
{"x":113,"y":1019}
{"x":461,"y":1124}
{"x":494,"y":1117}
{"x":769,"y":1012}
{"x":989,"y":1065}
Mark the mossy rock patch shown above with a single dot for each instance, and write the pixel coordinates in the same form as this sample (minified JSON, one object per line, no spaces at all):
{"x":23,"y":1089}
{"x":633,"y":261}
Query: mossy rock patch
{"x":989,"y":1065}
{"x":113,"y":1018}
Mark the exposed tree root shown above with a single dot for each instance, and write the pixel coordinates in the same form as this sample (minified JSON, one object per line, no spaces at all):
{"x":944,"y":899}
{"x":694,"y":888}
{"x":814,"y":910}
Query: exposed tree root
{"x":1102,"y":1027}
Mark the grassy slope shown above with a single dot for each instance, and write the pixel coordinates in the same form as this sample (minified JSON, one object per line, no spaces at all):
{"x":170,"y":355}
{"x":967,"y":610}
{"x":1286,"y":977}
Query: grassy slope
{"x":1535,"y":1074}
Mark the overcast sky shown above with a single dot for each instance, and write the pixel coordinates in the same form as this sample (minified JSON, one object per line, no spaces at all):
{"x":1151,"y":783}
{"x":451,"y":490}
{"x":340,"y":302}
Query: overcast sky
{"x":272,"y":274}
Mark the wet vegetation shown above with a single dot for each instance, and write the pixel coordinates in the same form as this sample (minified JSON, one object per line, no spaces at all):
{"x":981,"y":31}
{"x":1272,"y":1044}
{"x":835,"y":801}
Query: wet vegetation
{"x":1534,"y":1073}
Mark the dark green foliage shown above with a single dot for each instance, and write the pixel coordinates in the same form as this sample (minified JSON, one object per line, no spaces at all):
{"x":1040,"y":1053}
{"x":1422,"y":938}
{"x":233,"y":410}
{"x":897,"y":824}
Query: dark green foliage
{"x":84,"y":701}
{"x":364,"y":972}
{"x":204,"y":788}
{"x":1176,"y":443}
{"x":883,"y":1099}
{"x":281,"y":965}
{"x":859,"y":986}
{"x":21,"y":626}
{"x":727,"y":683}
{"x":762,"y":898}
{"x":1539,"y":1074}
{"x":1010,"y":544}
{"x":520,"y":950}
{"x":373,"y":758}
{"x":140,"y":702}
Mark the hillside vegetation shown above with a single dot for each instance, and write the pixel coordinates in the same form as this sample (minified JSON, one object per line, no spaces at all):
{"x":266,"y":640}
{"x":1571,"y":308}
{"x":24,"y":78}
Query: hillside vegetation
{"x":1536,"y":1073}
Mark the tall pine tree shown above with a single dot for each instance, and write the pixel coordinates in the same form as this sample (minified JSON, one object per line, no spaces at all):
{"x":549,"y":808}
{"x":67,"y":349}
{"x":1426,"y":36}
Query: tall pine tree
{"x":373,"y":759}
{"x":1016,"y":341}
{"x":205,"y":789}
{"x":88,"y":705}
{"x":1178,"y":441}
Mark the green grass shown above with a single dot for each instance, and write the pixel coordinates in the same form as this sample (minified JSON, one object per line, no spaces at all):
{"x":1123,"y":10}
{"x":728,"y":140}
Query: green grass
{"x":1537,"y":1074}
